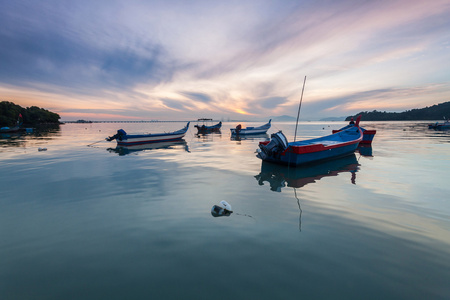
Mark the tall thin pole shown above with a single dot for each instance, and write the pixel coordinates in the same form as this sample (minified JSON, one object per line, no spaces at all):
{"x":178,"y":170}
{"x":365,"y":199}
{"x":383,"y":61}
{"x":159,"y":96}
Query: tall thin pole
{"x":299,"y":107}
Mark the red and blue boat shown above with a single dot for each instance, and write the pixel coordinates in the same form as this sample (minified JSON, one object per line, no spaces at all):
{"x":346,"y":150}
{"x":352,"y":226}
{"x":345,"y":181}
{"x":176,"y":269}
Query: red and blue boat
{"x":440,"y":126}
{"x":124,"y":139}
{"x":279,"y":150}
{"x":368,"y":135}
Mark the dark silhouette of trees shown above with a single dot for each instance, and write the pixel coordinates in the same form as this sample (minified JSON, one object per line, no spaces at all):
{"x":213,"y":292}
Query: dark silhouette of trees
{"x":31,"y":116}
{"x":435,"y":112}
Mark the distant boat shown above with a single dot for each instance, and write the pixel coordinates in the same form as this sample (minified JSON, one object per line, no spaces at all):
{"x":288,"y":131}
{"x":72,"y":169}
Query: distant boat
{"x":124,"y":139}
{"x":12,"y":129}
{"x":440,"y":126}
{"x":203,"y":129}
{"x":9,"y":129}
{"x":250,"y":130}
{"x":368,"y":135}
{"x":340,"y":144}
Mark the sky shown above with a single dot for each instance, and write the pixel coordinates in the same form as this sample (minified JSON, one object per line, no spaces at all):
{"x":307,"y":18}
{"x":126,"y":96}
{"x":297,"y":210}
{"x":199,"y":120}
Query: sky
{"x":184,"y":60}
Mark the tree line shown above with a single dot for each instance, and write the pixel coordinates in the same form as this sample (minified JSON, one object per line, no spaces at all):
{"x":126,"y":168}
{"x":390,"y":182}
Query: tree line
{"x":435,"y":112}
{"x":10,"y":113}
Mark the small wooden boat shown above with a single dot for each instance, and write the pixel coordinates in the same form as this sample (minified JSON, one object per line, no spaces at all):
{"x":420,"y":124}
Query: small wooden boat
{"x":250,"y":130}
{"x":203,"y":129}
{"x":340,"y":144}
{"x":440,"y":126}
{"x":368,"y":135}
{"x":13,"y":129}
{"x":9,"y":129}
{"x":124,"y":139}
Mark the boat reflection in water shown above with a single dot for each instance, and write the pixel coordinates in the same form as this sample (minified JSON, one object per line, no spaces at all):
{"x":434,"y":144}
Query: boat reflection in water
{"x":260,"y":136}
{"x":365,"y":150}
{"x":124,"y":150}
{"x":279,"y":176}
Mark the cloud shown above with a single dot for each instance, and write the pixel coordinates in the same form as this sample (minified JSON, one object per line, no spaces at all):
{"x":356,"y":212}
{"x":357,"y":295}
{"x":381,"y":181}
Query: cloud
{"x":175,"y":58}
{"x":202,"y":97}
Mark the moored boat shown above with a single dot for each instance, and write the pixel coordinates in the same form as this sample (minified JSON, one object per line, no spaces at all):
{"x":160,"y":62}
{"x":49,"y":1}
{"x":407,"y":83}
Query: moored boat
{"x":279,"y":150}
{"x":9,"y":129}
{"x":368,"y":135}
{"x":203,"y":129}
{"x":250,"y":130}
{"x":440,"y":126}
{"x":124,"y":139}
{"x":16,"y":128}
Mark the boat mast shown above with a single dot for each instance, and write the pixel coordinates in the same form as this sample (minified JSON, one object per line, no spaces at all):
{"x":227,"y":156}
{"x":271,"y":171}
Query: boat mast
{"x":299,"y":107}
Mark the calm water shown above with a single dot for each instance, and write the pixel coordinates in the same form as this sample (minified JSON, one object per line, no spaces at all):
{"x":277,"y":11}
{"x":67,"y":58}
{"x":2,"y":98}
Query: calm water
{"x":79,"y":222}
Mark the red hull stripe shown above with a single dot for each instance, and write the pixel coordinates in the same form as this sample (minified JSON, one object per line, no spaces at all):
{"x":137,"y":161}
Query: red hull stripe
{"x":318,"y":147}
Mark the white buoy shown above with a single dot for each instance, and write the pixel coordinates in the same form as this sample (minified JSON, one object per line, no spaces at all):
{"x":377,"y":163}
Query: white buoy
{"x":223,"y":209}
{"x":225,"y":205}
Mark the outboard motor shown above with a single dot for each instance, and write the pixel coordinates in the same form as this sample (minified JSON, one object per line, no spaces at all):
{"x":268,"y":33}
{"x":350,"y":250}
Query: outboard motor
{"x":277,"y":145}
{"x":119,"y":135}
{"x":238,"y":128}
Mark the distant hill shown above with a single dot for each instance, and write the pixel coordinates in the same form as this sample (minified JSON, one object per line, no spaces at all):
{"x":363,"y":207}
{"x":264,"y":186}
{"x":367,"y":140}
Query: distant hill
{"x":333,"y":119}
{"x":435,"y":112}
{"x":283,"y":118}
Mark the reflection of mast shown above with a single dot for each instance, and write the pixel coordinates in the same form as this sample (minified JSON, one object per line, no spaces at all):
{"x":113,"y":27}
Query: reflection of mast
{"x":353,"y":179}
{"x":299,"y":207}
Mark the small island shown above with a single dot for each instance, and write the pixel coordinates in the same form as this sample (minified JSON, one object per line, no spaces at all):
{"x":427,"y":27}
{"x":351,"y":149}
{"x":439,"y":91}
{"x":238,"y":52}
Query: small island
{"x":11,"y":114}
{"x":435,"y":112}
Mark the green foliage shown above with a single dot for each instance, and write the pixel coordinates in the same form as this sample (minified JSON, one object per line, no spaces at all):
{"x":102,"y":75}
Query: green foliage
{"x":435,"y":112}
{"x":9,"y":114}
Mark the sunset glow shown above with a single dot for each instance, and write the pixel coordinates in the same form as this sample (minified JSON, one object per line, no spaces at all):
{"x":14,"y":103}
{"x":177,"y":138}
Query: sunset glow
{"x":181,"y":60}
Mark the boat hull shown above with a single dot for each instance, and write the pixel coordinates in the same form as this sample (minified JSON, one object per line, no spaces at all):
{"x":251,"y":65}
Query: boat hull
{"x":134,"y":141}
{"x":9,"y":130}
{"x":208,"y":129}
{"x":247,"y":132}
{"x":292,"y":158}
{"x":251,"y":130}
{"x":312,"y":151}
{"x":439,"y":126}
{"x":368,"y":135}
{"x":126,"y":140}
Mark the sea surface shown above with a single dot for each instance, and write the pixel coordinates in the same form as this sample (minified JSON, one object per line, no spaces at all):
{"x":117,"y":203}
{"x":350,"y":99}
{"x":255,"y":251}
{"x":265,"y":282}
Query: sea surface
{"x":80,"y":219}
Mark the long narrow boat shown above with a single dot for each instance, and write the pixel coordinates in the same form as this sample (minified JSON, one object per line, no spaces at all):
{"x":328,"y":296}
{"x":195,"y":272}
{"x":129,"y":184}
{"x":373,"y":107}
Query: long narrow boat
{"x":340,"y":144}
{"x":368,"y":135}
{"x":9,"y":129}
{"x":440,"y":126}
{"x":208,"y":129}
{"x":124,"y":139}
{"x":250,"y":130}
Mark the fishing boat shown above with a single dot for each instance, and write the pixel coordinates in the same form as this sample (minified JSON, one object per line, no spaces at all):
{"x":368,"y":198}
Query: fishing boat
{"x":279,"y":150}
{"x":13,"y":129}
{"x":124,"y":139}
{"x":368,"y":135}
{"x":250,"y":130}
{"x":203,"y":129}
{"x":440,"y":126}
{"x":9,"y":129}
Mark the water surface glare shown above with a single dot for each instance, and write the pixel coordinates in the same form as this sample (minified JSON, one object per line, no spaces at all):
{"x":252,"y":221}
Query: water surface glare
{"x":96,"y":222}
